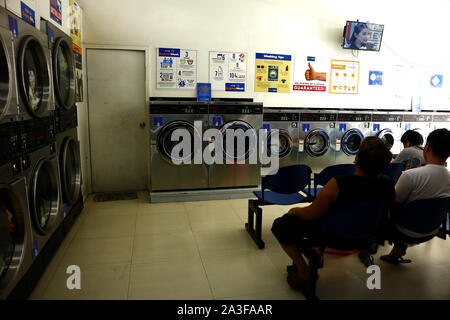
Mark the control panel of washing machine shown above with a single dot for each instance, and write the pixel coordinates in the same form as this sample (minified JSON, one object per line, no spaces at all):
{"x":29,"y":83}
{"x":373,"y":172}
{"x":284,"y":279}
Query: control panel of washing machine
{"x":238,"y":108}
{"x":317,"y":117}
{"x":36,"y":133}
{"x":417,"y":118}
{"x":282,"y":116}
{"x":354,"y":117}
{"x":387,"y":118}
{"x":441,"y":118}
{"x":9,"y":143}
{"x":177,"y":108}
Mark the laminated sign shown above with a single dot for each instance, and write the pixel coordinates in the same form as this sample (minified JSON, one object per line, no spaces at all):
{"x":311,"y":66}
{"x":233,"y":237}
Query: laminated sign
{"x":176,"y":69}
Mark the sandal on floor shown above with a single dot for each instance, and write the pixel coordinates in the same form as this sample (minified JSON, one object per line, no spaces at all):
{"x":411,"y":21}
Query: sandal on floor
{"x":394,"y":260}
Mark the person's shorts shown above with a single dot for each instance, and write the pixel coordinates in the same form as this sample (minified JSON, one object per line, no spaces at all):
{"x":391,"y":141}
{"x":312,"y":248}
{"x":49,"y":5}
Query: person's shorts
{"x":290,"y":229}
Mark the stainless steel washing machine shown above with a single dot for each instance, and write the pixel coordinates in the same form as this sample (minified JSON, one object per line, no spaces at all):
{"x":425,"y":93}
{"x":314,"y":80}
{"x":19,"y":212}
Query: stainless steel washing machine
{"x":418,"y":121}
{"x":15,"y":226}
{"x":388,"y":127}
{"x":316,"y":139}
{"x":287,"y":124}
{"x":166,"y":171}
{"x":8,"y":91}
{"x":441,"y":120}
{"x":40,"y":167}
{"x":241,"y":121}
{"x":33,"y":70}
{"x":352,"y":127}
{"x":67,"y":144}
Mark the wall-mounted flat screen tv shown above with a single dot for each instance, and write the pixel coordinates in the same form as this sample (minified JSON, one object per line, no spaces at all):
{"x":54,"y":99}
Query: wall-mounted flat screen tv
{"x":363,"y":36}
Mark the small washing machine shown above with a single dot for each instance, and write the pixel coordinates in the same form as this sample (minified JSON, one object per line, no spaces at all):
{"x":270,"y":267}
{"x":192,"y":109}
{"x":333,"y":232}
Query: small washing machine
{"x":352,"y":127}
{"x":243,"y":120}
{"x":41,"y":169}
{"x":8,"y":92}
{"x":418,"y":121}
{"x":316,"y":139}
{"x":440,"y":120}
{"x":287,"y":124}
{"x":33,"y":70}
{"x":388,"y":127}
{"x":167,"y":173}
{"x":15,"y":226}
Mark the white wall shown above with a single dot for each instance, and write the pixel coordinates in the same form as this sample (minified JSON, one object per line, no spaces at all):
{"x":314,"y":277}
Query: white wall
{"x":2,"y":3}
{"x":415,"y":34}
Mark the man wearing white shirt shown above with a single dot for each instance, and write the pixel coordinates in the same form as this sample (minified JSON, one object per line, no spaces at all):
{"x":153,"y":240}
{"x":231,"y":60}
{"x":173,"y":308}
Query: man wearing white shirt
{"x":430,"y":181}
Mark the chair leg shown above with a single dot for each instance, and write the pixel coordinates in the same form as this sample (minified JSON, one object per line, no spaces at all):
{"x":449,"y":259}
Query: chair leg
{"x":255,"y":231}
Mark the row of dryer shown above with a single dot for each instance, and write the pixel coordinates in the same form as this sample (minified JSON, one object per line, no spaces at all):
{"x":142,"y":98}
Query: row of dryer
{"x":317,"y":138}
{"x":40,"y":167}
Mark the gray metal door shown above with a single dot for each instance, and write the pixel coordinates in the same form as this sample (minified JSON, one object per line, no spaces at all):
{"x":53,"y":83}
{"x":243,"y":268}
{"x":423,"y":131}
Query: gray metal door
{"x":117,"y":105}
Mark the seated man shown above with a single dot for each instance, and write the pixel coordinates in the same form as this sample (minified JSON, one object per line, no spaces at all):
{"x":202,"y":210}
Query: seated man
{"x":365,"y":185}
{"x":412,"y":154}
{"x":430,"y":181}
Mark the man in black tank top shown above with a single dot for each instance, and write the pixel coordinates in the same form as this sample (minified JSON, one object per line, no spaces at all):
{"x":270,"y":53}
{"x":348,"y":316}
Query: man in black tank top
{"x":365,"y":185}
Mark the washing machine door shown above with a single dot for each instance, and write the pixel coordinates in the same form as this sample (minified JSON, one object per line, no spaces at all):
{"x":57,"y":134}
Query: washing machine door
{"x":6,"y":75}
{"x":234,"y":129}
{"x":64,"y":73}
{"x":285,"y":144}
{"x":165,"y":144}
{"x":33,"y":76}
{"x":351,"y":141}
{"x":387,"y":136}
{"x":12,"y":235}
{"x":317,"y":143}
{"x":70,"y":170}
{"x":44,"y":201}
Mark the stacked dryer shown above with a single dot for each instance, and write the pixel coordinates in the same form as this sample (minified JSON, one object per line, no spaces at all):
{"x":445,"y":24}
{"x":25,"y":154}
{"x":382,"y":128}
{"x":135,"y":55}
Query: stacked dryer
{"x":67,"y":144}
{"x":36,"y":130}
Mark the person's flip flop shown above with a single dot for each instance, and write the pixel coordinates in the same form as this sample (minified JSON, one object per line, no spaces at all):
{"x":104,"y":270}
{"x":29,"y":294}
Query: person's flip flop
{"x":390,"y":259}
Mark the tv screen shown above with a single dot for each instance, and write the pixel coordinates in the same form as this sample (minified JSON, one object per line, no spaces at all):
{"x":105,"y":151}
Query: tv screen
{"x":363,"y":36}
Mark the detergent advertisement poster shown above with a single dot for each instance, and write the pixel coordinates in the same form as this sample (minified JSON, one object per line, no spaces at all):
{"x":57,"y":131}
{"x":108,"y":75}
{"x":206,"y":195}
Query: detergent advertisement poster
{"x":176,"y":69}
{"x":273,"y":72}
{"x":228,"y":71}
{"x":75,"y":33}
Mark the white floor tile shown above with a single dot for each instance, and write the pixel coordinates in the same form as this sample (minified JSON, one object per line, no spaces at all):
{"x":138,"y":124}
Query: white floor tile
{"x":161,"y":223}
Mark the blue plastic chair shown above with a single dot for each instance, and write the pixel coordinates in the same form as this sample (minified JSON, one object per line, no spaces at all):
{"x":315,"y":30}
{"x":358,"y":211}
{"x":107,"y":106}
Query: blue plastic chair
{"x":394,"y":170}
{"x":353,"y":227}
{"x":282,"y":188}
{"x":321,"y":179}
{"x":423,"y":217}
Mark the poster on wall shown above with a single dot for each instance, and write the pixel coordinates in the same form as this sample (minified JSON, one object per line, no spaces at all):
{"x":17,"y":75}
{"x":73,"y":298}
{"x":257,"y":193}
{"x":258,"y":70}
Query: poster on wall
{"x":176,"y":68}
{"x":228,"y":71}
{"x":344,"y":77}
{"x":272,"y":72}
{"x":27,"y":14}
{"x":56,"y":11}
{"x":406,"y":81}
{"x":75,"y":33}
{"x":310,"y":74}
{"x":25,"y":9}
{"x":375,"y":78}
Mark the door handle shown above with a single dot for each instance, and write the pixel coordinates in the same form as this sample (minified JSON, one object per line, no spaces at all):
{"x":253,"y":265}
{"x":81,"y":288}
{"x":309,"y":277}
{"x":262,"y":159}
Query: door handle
{"x":142,"y":125}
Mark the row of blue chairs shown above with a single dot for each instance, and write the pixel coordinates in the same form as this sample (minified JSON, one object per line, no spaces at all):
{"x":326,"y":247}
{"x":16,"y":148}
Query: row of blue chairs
{"x":292,"y":185}
{"x":359,"y":226}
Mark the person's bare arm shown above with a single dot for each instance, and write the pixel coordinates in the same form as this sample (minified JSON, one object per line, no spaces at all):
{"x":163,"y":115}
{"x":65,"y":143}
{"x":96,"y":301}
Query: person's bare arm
{"x":321,"y":204}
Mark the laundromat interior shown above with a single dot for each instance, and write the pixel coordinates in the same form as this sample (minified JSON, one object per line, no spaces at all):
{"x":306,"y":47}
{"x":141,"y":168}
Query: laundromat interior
{"x":97,"y":204}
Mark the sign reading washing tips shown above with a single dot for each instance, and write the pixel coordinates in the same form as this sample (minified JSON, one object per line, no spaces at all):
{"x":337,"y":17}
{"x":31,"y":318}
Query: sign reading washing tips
{"x":176,"y":69}
{"x":272,"y":72}
{"x":344,"y":77}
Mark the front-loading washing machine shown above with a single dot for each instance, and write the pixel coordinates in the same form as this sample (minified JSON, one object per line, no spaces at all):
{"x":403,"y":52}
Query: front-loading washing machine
{"x":240,"y":121}
{"x":67,"y":144}
{"x":170,"y":171}
{"x":8,"y":92}
{"x":441,"y":120}
{"x":418,"y":121}
{"x":316,"y":139}
{"x":34,"y":78}
{"x":287,"y":124}
{"x":352,"y":127}
{"x":388,"y":127}
{"x":15,"y":226}
{"x":40,"y":167}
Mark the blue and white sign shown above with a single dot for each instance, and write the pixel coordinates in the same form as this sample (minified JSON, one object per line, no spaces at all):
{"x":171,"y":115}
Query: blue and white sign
{"x":436,"y":80}
{"x":56,"y":11}
{"x":51,"y":34}
{"x":203,"y":91}
{"x":13,"y":27}
{"x":306,"y":127}
{"x":176,"y":69}
{"x":27,"y":14}
{"x":228,"y":70}
{"x":375,"y":78}
{"x":342,"y":127}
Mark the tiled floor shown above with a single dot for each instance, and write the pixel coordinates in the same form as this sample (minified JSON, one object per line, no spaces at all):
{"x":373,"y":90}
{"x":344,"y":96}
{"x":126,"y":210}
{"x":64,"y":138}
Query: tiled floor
{"x":200,"y":250}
